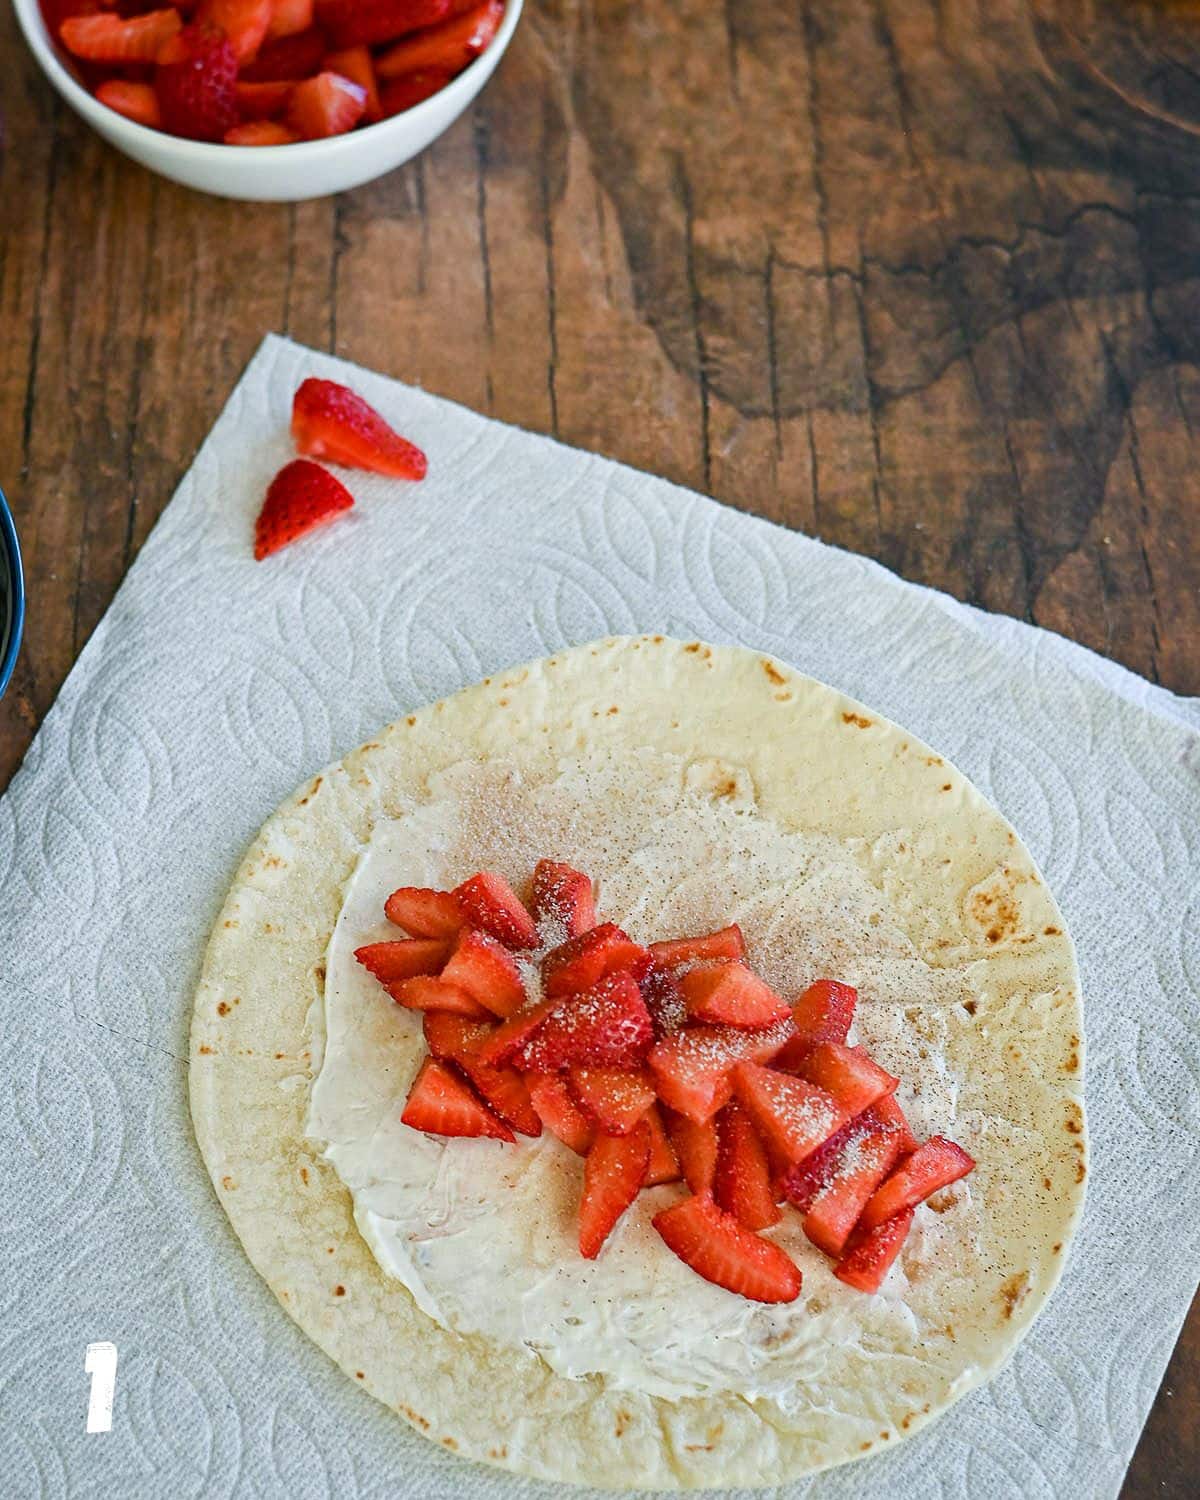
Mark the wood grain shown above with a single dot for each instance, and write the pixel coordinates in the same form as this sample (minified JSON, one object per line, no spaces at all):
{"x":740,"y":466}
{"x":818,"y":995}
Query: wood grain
{"x":920,"y":278}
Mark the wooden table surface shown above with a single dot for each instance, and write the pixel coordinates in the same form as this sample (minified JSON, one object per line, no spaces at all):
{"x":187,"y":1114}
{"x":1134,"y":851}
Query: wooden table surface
{"x":909,"y":276}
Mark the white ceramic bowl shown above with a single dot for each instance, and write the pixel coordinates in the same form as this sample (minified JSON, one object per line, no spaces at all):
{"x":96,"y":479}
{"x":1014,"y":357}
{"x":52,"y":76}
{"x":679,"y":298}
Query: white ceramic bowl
{"x":271,"y":174}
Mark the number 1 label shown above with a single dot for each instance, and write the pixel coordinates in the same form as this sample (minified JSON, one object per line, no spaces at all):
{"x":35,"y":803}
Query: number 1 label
{"x":100,"y":1362}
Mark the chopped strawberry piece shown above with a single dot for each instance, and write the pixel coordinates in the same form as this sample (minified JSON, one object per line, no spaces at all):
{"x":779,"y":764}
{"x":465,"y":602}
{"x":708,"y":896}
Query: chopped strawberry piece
{"x":794,"y":1115}
{"x":262,"y":101}
{"x":718,"y":1248}
{"x":333,"y":422}
{"x":607,"y":1025}
{"x":136,"y":101}
{"x":506,"y":1092}
{"x":694,"y":1068}
{"x":581,"y":961}
{"x":422,"y":992}
{"x":615,"y":1098}
{"x":355,"y":63}
{"x":713,"y":947}
{"x":933,"y":1166}
{"x":891,"y":1114}
{"x":349,"y":22}
{"x":559,"y":1113}
{"x":863,"y":1161}
{"x":452,"y":45}
{"x":730,"y":994}
{"x":870,"y":1258}
{"x":424,"y":913}
{"x":696,"y":1146}
{"x":562,"y":898}
{"x":391,"y":962}
{"x":824,"y":1011}
{"x":450,"y":1037}
{"x":742,"y":1184}
{"x":326,"y":105}
{"x":442,"y":1104}
{"x":509,"y":1039}
{"x":459,"y":1040}
{"x":663,"y":997}
{"x":107,"y":38}
{"x":801,"y":1181}
{"x":400,"y":94}
{"x":613,"y":1173}
{"x":487,"y":971}
{"x":848,"y":1074}
{"x":492,"y":905}
{"x":301,"y":496}
{"x":244,"y":23}
{"x":664,"y":1164}
{"x":289,"y":59}
{"x":288,"y":17}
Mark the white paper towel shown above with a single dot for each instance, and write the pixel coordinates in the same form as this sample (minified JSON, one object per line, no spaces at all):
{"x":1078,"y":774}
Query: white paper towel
{"x":215,"y":684}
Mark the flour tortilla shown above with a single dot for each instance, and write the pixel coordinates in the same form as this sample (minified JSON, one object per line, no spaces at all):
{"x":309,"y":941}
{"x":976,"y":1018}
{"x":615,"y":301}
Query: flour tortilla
{"x":952,"y":874}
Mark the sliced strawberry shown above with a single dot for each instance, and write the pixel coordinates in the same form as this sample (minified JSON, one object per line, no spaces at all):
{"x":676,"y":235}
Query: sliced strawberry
{"x":452,"y":45}
{"x":506,"y":1092}
{"x":509,"y":1039}
{"x":440,"y":1103}
{"x":612,"y":1176}
{"x":694,"y":1068}
{"x":728,"y":943}
{"x":562,"y":898}
{"x":262,"y":101}
{"x":492,"y":905}
{"x":870,"y":1258}
{"x":742,"y":1184}
{"x":288,"y":17}
{"x":289,"y":59}
{"x":424,"y":913}
{"x":607,"y":1025}
{"x":801,"y":1181}
{"x":460,"y":1041}
{"x":581,"y":961}
{"x":661,"y":992}
{"x":933,"y":1166}
{"x":794,"y":1115}
{"x":559,"y":1113}
{"x":664,"y":1164}
{"x":400,"y":94}
{"x":244,"y":23}
{"x":696,"y":1146}
{"x":891,"y":1114}
{"x":450,"y":1037}
{"x":824,"y":1011}
{"x":333,"y":422}
{"x":355,"y":63}
{"x":326,"y":105}
{"x":730,"y":994}
{"x":110,"y":39}
{"x":486,"y":970}
{"x":349,"y":22}
{"x":615,"y":1098}
{"x":863,"y":1161}
{"x":136,"y":101}
{"x":848,"y":1074}
{"x":391,"y":962}
{"x":425,"y":993}
{"x":301,"y":496}
{"x":717,"y":1247}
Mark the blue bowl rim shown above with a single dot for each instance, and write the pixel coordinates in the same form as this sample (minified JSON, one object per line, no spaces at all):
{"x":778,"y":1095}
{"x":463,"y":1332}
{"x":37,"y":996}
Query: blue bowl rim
{"x":12,"y":549}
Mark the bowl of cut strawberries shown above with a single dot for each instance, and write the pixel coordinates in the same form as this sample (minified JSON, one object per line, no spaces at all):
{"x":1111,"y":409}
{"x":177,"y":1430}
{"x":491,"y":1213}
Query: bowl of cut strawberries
{"x":269,"y":100}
